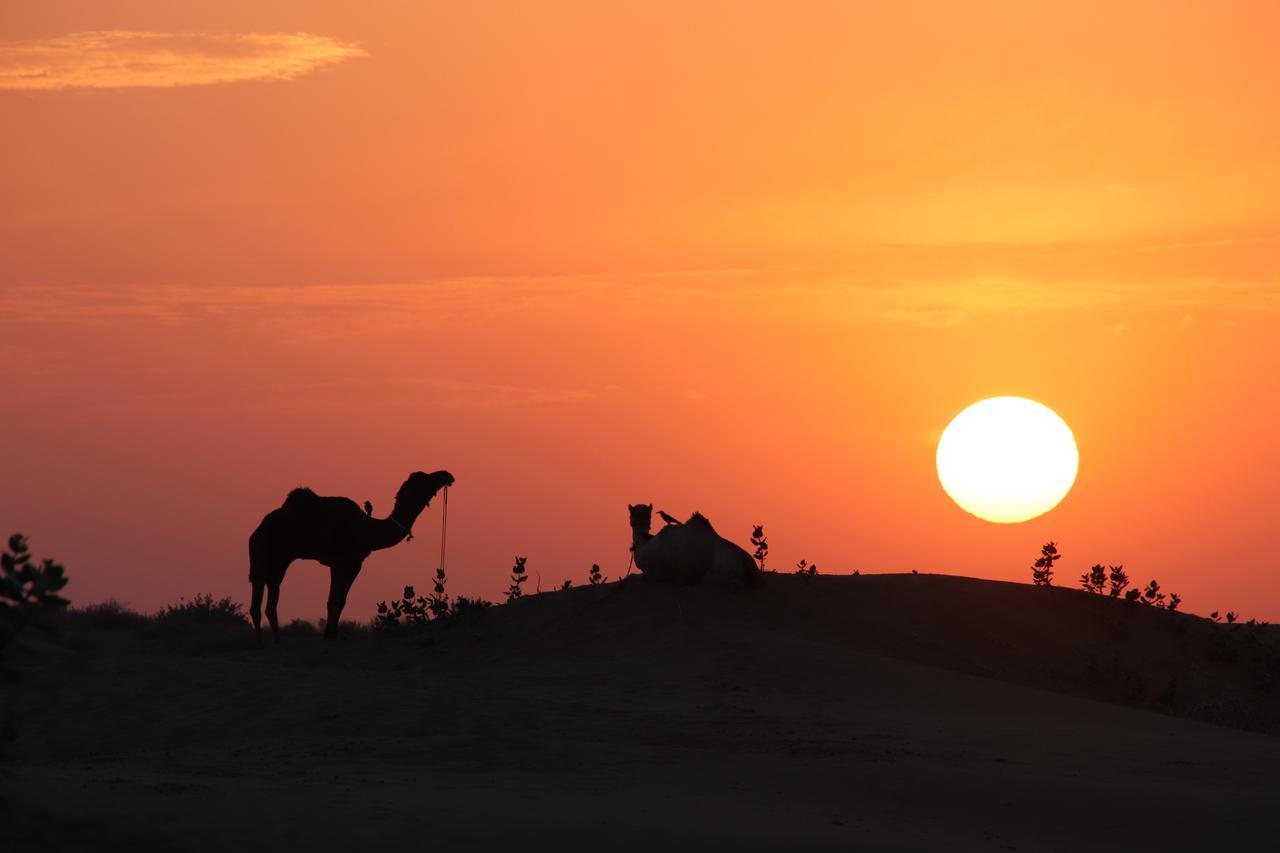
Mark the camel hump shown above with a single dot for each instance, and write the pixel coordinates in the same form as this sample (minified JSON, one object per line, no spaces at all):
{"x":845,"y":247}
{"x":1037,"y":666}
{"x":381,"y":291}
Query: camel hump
{"x":699,"y":519}
{"x":299,"y":498}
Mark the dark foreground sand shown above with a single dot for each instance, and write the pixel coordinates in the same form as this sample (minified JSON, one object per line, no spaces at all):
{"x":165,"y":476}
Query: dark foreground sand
{"x":810,"y":714}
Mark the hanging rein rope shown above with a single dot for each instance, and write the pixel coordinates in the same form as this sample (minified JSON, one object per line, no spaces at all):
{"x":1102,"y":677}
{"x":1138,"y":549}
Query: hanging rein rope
{"x":444,"y":526}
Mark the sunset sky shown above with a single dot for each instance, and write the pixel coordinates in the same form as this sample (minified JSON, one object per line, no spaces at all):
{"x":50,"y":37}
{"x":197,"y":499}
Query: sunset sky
{"x":743,"y":258}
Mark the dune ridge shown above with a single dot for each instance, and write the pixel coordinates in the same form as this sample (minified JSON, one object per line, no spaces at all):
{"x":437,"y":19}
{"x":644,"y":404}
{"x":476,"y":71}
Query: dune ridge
{"x":894,"y":712}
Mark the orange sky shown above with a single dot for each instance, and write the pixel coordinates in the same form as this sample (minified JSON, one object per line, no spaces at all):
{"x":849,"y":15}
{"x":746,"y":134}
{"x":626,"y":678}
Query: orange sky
{"x":747,"y":258}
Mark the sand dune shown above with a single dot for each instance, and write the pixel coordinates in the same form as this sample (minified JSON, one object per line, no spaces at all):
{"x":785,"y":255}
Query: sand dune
{"x":879,"y":712}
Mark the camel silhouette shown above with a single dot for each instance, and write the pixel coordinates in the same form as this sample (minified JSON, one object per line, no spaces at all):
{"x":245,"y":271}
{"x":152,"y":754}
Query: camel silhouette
{"x":691,"y":552}
{"x":334,"y":532}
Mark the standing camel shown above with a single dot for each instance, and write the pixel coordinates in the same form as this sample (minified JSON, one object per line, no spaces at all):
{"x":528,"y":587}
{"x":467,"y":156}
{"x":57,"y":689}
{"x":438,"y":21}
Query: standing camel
{"x":334,"y":532}
{"x":689,"y":553}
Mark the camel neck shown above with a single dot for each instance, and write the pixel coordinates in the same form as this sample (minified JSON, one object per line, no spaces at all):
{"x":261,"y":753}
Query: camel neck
{"x":407,"y":511}
{"x":639,"y":536}
{"x":397,"y":526}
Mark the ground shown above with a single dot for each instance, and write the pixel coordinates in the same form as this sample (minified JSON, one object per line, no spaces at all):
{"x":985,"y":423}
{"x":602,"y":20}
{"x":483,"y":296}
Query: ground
{"x":894,"y":712}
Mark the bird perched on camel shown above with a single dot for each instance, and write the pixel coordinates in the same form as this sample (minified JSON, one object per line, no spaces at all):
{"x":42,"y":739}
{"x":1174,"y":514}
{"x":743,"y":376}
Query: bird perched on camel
{"x":691,"y":552}
{"x":334,"y":532}
{"x":667,"y":518}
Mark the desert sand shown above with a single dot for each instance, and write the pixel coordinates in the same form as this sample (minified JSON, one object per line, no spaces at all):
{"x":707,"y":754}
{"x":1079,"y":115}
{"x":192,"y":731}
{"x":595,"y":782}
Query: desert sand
{"x":880,"y":712}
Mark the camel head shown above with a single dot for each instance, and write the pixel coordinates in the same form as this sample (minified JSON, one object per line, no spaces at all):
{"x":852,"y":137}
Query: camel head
{"x":641,"y":516}
{"x":421,"y":487}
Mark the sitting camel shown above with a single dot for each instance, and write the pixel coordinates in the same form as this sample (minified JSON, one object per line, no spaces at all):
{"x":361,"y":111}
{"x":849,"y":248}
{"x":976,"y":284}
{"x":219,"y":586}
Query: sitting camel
{"x":334,"y":532}
{"x":687,"y":553}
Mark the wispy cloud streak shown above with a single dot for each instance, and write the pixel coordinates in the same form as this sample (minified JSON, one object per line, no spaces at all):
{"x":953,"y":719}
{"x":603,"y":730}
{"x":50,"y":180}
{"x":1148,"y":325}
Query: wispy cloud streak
{"x":122,"y":59}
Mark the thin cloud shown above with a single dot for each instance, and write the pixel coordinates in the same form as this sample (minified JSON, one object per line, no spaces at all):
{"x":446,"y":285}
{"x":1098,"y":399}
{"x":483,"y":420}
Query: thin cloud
{"x":929,"y":318}
{"x":378,"y":391}
{"x":350,"y":311}
{"x":122,"y":59}
{"x":1116,"y":330}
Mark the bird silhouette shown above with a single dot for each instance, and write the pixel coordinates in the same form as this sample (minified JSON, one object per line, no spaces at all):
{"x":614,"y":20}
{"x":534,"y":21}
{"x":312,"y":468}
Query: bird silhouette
{"x":669,"y":519}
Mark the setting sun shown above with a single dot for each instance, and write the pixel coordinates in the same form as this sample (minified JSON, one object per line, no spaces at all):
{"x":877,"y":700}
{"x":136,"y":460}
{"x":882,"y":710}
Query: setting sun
{"x":1007,"y":459}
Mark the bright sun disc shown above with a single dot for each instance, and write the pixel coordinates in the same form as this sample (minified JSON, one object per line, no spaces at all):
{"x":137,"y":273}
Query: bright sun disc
{"x":1007,"y":459}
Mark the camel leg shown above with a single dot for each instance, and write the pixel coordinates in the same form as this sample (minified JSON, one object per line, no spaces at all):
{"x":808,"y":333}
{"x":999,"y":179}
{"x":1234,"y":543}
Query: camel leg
{"x":340,"y":580}
{"x":273,"y":598}
{"x":255,"y":611}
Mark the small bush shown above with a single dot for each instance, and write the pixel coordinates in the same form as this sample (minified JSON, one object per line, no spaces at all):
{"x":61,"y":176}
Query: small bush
{"x":803,"y":568}
{"x":439,"y":598}
{"x":1042,"y":570}
{"x":761,"y":543}
{"x":1095,"y":580}
{"x":1152,"y":595}
{"x":204,"y":609}
{"x":1174,"y":601}
{"x":111,"y":615}
{"x":1117,"y":580}
{"x":301,"y":628}
{"x":594,"y":577}
{"x":518,"y":577}
{"x":567,"y":585}
{"x":27,"y":589}
{"x":462,"y":605}
{"x":1132,"y":595}
{"x":409,"y":610}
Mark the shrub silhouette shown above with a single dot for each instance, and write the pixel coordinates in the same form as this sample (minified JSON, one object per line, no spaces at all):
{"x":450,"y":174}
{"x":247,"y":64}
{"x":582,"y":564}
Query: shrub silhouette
{"x":803,"y":568}
{"x":1231,"y":617}
{"x":462,"y":604}
{"x":1094,"y":580}
{"x":111,"y":615}
{"x":439,"y":598}
{"x":27,"y":589}
{"x":416,"y":610}
{"x":1098,"y":578}
{"x":301,"y":628}
{"x":204,"y":609}
{"x":1118,"y":580}
{"x":1152,"y":595}
{"x":1042,"y":570}
{"x":567,"y":585}
{"x":595,"y":578}
{"x":518,"y":577}
{"x":759,"y":540}
{"x":409,"y":610}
